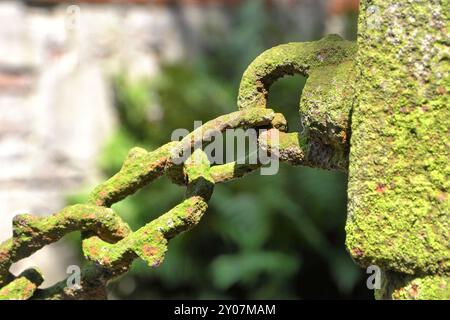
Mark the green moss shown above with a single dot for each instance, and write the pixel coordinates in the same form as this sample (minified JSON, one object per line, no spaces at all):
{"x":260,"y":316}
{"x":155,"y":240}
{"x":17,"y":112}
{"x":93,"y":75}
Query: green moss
{"x":232,"y":170}
{"x":23,"y":287}
{"x":200,"y":181}
{"x":326,"y":101}
{"x":399,"y":209}
{"x":288,"y":147}
{"x":150,"y":242}
{"x":140,"y":168}
{"x":325,"y":108}
{"x":297,"y":57}
{"x":403,"y":287}
{"x":31,"y":233}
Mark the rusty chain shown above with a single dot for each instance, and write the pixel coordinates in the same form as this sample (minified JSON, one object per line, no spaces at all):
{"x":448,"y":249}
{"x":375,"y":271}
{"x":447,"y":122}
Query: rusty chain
{"x":110,"y":246}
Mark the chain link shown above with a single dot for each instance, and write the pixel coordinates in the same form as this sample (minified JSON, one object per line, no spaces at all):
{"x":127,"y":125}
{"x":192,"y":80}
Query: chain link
{"x":110,"y":246}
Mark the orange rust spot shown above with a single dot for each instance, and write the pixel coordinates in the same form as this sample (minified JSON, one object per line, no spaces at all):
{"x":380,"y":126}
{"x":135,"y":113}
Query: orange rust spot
{"x":441,"y":90}
{"x":93,"y":251}
{"x":156,"y":164}
{"x":149,"y":250}
{"x":414,"y":291}
{"x":357,"y":252}
{"x":380,"y":188}
{"x":441,"y":197}
{"x":4,"y":255}
{"x":122,"y":232}
{"x":106,"y":260}
{"x":343,"y":136}
{"x":29,"y":288}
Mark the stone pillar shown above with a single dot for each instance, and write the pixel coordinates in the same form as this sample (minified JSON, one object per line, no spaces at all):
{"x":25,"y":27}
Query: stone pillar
{"x":399,"y":209}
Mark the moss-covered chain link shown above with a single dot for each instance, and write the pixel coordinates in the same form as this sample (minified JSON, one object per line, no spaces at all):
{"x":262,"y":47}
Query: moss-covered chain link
{"x":108,"y":242}
{"x":325,"y":104}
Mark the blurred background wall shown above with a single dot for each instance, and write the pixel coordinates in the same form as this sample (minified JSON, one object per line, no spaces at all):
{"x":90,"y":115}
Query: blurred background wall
{"x":81,"y":84}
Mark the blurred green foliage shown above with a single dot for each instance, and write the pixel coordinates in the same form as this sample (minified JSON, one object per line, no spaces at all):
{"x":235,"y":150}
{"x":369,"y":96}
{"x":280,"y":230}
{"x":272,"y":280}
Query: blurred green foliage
{"x":269,"y":237}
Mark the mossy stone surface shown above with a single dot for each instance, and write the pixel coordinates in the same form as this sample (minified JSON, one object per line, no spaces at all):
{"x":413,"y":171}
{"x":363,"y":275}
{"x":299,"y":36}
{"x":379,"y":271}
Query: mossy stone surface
{"x":399,"y":207}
